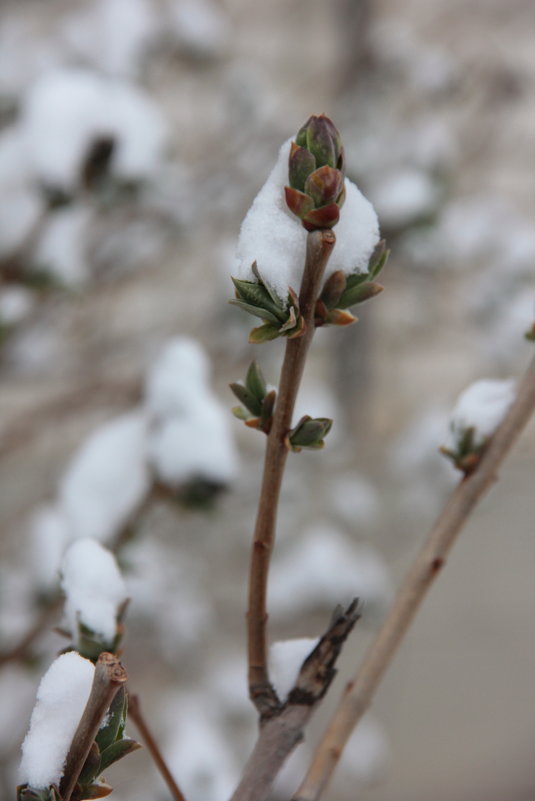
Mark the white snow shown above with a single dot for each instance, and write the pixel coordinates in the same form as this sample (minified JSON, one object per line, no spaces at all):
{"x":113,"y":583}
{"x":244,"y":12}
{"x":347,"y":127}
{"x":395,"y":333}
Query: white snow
{"x":405,"y":197}
{"x":322,"y":569}
{"x":16,"y":303}
{"x":67,"y":109}
{"x":180,"y":372}
{"x":190,"y":435}
{"x":196,"y":445}
{"x":61,"y":699}
{"x":20,"y":203}
{"x":107,"y":478}
{"x":111,"y":35}
{"x":482,"y":407}
{"x":285,"y":660}
{"x":198,"y":26}
{"x":199,"y":751}
{"x":366,"y":754}
{"x":273,"y":237}
{"x":94,"y":589}
{"x":47,"y":540}
{"x":61,"y":249}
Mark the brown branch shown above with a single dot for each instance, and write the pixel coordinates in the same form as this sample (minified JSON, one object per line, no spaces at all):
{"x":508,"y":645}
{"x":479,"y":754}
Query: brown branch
{"x":110,"y":675}
{"x":280,"y":733}
{"x":135,"y":714}
{"x":319,"y":247}
{"x":431,"y":558}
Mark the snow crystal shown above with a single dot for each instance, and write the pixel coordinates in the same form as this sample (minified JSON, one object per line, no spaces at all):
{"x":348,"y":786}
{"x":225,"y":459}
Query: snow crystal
{"x":61,"y":699}
{"x":107,"y":479}
{"x":67,"y":109}
{"x":273,"y":237}
{"x":482,"y":407}
{"x":285,"y":660}
{"x":48,"y":538}
{"x":94,"y":589}
{"x":61,"y":249}
{"x":16,"y":303}
{"x":323,"y":569}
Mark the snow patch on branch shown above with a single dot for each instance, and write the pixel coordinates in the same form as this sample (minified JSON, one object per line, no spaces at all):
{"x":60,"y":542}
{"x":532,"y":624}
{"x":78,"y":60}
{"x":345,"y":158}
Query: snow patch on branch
{"x":61,"y":699}
{"x":94,"y":589}
{"x":273,"y":237}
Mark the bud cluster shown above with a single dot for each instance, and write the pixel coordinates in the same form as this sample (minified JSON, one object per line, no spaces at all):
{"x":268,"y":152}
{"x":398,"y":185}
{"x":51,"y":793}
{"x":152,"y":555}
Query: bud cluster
{"x":258,"y":400}
{"x":342,"y":291}
{"x":257,"y":298}
{"x":316,"y":174}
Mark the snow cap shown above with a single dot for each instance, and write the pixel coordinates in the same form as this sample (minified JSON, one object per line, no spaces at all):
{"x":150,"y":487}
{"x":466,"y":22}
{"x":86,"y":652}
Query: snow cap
{"x":273,"y":237}
{"x":61,"y":699}
{"x":94,"y":589}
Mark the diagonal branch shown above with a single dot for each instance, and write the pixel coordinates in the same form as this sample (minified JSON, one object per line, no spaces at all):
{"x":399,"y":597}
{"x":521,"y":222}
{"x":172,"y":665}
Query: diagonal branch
{"x":431,"y":558}
{"x":280,"y":733}
{"x":319,"y":248}
{"x":110,"y":675}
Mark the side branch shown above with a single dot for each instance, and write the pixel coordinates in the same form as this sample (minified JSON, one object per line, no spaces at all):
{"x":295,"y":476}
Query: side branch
{"x":284,"y":730}
{"x":360,"y":691}
{"x":319,"y":248}
{"x":110,"y":675}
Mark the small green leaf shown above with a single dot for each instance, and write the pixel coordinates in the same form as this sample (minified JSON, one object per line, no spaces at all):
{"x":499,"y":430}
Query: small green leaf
{"x":117,"y":751}
{"x":240,"y":413}
{"x":378,"y":259}
{"x":91,"y":769}
{"x":310,"y":432}
{"x":359,"y":293}
{"x":333,"y":289}
{"x":256,"y":294}
{"x":255,"y":382}
{"x":115,"y":720}
{"x":263,"y":333}
{"x":247,"y":398}
{"x":257,"y":311}
{"x":268,"y":406}
{"x":100,"y":790}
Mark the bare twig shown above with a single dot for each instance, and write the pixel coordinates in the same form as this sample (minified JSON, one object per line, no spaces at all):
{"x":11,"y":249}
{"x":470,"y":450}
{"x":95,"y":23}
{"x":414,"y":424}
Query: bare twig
{"x":110,"y":675}
{"x":284,"y":730}
{"x":431,"y":558}
{"x":135,"y":714}
{"x":319,"y":247}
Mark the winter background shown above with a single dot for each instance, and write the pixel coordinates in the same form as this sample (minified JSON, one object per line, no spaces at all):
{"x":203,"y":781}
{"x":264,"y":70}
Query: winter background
{"x":134,"y":135}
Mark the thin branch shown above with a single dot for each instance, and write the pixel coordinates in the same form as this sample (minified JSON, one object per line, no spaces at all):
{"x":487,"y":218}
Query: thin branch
{"x":428,"y":563}
{"x":110,"y":675}
{"x":319,"y":247}
{"x":284,"y":730}
{"x":135,"y":714}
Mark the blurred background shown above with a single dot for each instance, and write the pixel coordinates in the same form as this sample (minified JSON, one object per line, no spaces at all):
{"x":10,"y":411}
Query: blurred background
{"x":134,"y":135}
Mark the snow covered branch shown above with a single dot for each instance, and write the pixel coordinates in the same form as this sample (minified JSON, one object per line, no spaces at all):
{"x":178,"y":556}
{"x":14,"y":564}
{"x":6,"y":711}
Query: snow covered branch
{"x":428,"y":563}
{"x":285,"y":729}
{"x":109,"y":677}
